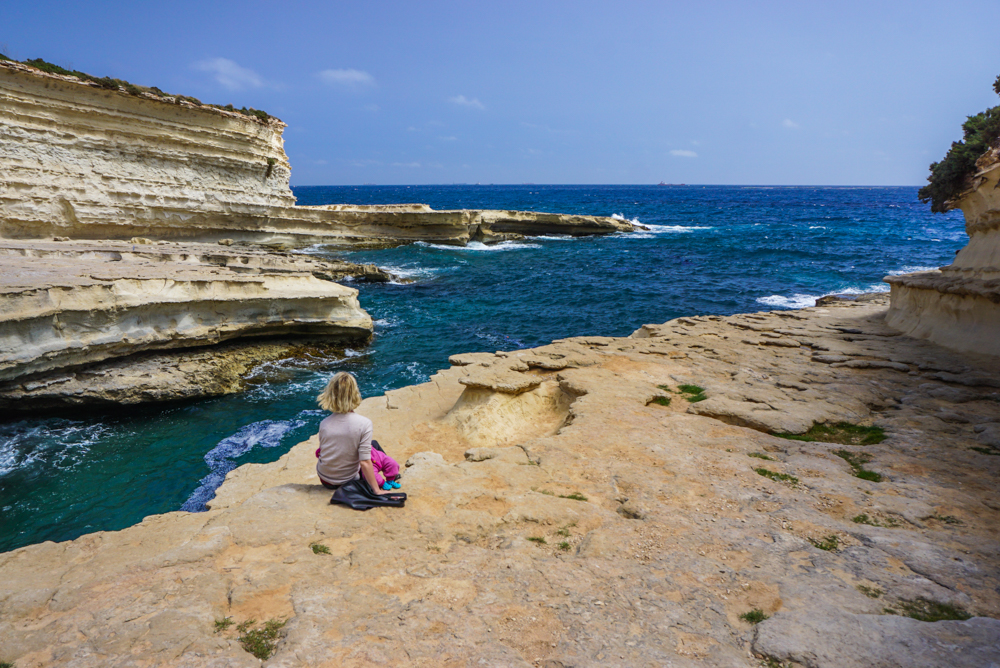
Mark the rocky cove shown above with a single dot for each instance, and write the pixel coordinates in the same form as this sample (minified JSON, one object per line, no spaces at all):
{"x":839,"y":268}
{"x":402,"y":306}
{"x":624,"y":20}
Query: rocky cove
{"x":596,"y":501}
{"x":136,"y":224}
{"x":570,"y":505}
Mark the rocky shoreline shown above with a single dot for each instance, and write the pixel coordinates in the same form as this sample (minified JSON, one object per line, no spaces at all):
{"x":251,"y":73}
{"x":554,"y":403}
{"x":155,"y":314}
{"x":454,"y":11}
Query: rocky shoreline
{"x":91,"y":322}
{"x":806,"y":488}
{"x":596,"y":501}
{"x":135,"y":224}
{"x":86,"y":162}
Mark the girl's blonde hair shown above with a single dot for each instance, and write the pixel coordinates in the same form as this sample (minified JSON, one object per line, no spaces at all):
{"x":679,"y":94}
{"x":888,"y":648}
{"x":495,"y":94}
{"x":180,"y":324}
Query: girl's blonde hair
{"x":341,"y":394}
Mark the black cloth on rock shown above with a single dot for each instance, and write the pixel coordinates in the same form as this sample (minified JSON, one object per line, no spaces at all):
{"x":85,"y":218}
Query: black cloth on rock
{"x":358,"y":495}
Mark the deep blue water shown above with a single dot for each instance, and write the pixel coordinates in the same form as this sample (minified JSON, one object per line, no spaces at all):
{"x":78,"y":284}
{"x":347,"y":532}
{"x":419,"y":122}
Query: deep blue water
{"x":710,"y":249}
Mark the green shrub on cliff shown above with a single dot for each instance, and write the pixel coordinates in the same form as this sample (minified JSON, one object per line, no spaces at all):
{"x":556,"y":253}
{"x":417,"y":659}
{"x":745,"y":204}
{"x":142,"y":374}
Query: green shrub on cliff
{"x":103,"y":82}
{"x":256,"y":113}
{"x":130,"y":88}
{"x":261,"y":642}
{"x":755,"y":616}
{"x":950,"y":176}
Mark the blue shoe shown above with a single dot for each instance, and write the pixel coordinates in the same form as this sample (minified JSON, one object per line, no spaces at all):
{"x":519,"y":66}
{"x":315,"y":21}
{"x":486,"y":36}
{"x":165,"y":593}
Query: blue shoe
{"x":395,"y":484}
{"x":387,"y":485}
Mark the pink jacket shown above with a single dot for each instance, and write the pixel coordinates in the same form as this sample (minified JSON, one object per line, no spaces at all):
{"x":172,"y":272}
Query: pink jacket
{"x":385,"y":466}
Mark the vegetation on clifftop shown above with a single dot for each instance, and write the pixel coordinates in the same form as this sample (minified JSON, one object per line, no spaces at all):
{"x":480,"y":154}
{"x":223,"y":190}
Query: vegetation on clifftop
{"x":126,"y":87}
{"x":951,"y":176}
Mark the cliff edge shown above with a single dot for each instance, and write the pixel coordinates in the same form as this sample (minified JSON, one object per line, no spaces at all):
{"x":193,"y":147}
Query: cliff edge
{"x":959,"y":305}
{"x":87,"y":162}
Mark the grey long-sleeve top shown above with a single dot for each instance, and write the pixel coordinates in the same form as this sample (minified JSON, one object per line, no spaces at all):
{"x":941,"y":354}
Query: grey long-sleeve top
{"x":345,"y":440}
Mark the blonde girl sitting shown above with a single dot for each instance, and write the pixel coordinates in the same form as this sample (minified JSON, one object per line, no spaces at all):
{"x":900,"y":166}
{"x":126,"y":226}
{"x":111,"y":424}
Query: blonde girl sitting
{"x":345,"y":438}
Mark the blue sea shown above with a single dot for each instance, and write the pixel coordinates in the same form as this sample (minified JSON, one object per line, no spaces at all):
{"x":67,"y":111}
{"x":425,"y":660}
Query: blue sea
{"x":709,"y":250}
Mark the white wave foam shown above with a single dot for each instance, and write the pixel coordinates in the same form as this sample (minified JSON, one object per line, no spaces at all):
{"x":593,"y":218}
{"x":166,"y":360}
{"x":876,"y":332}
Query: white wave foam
{"x":655,"y":230}
{"x":817,"y":227}
{"x":618,"y":216}
{"x":409,"y":273}
{"x":800,"y":300}
{"x":874,"y":287}
{"x":291,"y":377}
{"x":910,"y":270}
{"x":222,"y":458}
{"x":315,"y":249}
{"x":62,"y":442}
{"x":795,"y":301}
{"x":480,"y":246}
{"x":673,"y":229}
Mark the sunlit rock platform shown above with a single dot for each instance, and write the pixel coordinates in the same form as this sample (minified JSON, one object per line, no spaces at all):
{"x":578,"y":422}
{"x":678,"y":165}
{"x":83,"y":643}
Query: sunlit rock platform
{"x":594,"y":502}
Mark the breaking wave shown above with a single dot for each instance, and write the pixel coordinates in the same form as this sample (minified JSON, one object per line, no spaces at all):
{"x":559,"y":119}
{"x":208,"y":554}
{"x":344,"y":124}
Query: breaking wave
{"x":222,"y":458}
{"x":480,"y":246}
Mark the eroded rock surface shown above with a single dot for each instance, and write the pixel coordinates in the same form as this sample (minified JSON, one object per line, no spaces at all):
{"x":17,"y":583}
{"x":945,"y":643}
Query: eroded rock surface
{"x":159,"y":376}
{"x":577,"y":521}
{"x":67,"y":305}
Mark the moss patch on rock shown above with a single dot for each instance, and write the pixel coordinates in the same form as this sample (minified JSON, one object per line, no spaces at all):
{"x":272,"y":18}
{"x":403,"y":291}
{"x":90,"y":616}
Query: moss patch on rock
{"x":844,"y":433}
{"x":926,"y":610}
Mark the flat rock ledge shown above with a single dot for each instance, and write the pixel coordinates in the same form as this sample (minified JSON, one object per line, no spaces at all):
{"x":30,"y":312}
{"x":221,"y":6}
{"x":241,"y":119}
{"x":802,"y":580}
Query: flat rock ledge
{"x":81,"y":319}
{"x":591,"y":515}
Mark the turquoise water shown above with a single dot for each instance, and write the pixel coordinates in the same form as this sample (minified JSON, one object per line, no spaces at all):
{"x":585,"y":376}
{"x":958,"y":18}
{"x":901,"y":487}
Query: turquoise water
{"x":710,"y":249}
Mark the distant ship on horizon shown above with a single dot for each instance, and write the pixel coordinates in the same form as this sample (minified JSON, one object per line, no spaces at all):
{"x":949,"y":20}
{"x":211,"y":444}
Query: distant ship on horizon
{"x":661,"y":183}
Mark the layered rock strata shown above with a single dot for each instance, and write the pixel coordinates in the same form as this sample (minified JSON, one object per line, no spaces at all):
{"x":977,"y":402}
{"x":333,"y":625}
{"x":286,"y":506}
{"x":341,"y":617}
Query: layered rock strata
{"x":90,"y":163}
{"x":162,"y":376}
{"x":68,"y":305}
{"x":561,"y":515}
{"x":959,"y":304}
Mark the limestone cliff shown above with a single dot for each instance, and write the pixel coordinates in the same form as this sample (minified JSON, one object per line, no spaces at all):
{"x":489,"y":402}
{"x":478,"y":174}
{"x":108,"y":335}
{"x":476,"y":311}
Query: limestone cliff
{"x":68,"y":304}
{"x":112,"y":171}
{"x":959,"y":304}
{"x":87,"y":162}
{"x":569,"y":507}
{"x":90,"y":163}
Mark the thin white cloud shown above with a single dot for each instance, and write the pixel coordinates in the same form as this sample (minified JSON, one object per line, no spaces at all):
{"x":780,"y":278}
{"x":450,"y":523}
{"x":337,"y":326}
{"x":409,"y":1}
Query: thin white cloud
{"x":347,"y":78}
{"x":683,"y":153}
{"x":229,"y":74}
{"x":789,"y":123}
{"x":546,"y":128}
{"x":463,"y":101}
{"x":448,"y":138}
{"x":413,"y":165}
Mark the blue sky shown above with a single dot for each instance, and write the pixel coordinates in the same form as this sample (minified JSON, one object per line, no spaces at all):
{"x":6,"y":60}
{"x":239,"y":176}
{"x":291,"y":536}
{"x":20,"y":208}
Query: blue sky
{"x":837,"y":93}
